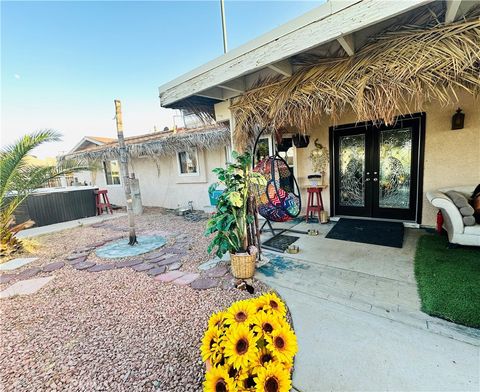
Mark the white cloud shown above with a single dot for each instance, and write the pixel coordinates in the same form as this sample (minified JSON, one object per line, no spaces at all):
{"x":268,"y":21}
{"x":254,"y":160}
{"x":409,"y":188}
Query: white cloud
{"x":16,"y":76}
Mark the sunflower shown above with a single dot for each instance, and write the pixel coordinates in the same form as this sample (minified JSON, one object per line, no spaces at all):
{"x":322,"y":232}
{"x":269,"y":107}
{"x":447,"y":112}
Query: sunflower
{"x":216,"y":320}
{"x":241,"y":312}
{"x":263,"y":357}
{"x":218,"y":380}
{"x":265,"y":323}
{"x":245,"y":381}
{"x":273,"y":304}
{"x":273,"y":378}
{"x":283,"y":344}
{"x":240,"y":346}
{"x":211,"y":348}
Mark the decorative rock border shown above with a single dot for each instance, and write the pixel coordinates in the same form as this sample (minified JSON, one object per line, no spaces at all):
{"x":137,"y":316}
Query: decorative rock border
{"x":162,"y":264}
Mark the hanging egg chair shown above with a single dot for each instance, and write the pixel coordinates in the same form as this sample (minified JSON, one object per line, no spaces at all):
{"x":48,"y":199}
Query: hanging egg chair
{"x":279,"y":200}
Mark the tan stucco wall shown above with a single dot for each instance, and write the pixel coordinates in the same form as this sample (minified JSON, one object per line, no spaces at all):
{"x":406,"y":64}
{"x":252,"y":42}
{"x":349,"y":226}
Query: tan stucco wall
{"x":165,"y":187}
{"x":452,"y":158}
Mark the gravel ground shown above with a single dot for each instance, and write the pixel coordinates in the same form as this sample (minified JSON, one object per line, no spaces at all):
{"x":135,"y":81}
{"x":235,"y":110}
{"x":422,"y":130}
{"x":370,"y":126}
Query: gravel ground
{"x":114,"y":330}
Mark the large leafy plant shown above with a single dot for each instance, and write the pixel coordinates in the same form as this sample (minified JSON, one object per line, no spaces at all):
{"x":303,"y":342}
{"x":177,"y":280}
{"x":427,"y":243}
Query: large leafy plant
{"x":19,"y":178}
{"x":229,"y":224}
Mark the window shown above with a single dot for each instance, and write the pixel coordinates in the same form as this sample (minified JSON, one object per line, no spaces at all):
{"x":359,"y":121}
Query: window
{"x":188,"y":163}
{"x":112,"y":172}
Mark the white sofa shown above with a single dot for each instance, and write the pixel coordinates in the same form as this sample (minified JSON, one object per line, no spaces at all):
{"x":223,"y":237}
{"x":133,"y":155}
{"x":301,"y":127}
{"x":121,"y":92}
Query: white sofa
{"x":458,"y":233}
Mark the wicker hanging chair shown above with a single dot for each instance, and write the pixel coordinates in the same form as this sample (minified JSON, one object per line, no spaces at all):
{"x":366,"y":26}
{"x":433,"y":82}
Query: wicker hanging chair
{"x":279,"y":200}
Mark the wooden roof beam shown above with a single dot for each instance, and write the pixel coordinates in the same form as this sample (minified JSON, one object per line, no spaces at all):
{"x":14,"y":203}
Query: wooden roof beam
{"x":214,"y":93}
{"x":283,"y":67}
{"x":236,"y":85}
{"x":452,"y":10}
{"x":348,"y":43}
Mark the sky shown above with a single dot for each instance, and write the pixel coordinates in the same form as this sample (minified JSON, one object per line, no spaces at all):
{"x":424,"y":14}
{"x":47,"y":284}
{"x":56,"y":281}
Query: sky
{"x":64,"y":63}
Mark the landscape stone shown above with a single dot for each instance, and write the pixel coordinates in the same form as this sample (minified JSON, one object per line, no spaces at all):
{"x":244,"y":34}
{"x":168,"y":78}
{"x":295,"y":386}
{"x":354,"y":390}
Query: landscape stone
{"x":204,"y":283}
{"x":28,"y":273}
{"x":186,"y":279}
{"x":217,"y":272}
{"x":7,"y":278}
{"x":101,"y":267}
{"x":209,"y":264}
{"x":80,"y":259}
{"x":143,"y":267}
{"x":155,"y":255}
{"x":84,"y":265}
{"x":128,"y":263}
{"x":157,"y":271}
{"x":53,"y":266}
{"x":168,"y":261}
{"x":176,"y":250}
{"x":169,"y":276}
{"x":16,"y":263}
{"x":174,"y":266}
{"x":76,"y":256}
{"x":25,"y":287}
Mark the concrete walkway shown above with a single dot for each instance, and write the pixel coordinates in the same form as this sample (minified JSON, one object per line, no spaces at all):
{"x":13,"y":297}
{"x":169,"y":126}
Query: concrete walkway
{"x":36,"y":231}
{"x":358,"y":321}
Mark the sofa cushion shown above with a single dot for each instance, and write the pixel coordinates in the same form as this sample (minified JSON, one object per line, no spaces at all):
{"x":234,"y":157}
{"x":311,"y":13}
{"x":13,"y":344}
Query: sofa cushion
{"x":472,"y":230}
{"x":469,"y":220}
{"x":458,"y":199}
{"x":467,"y":210}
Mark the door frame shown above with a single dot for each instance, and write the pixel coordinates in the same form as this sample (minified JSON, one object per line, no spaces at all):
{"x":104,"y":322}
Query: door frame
{"x":421,"y":117}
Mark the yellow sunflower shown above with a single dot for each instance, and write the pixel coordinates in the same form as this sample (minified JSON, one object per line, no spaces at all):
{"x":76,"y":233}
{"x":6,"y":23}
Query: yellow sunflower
{"x":211,"y":348}
{"x":241,"y":312}
{"x":263,"y":357}
{"x":240,"y":346}
{"x":282,"y":343}
{"x":216,"y":320}
{"x":218,"y":380}
{"x":273,"y":304}
{"x":245,"y":381}
{"x":265,"y":323}
{"x":273,"y":378}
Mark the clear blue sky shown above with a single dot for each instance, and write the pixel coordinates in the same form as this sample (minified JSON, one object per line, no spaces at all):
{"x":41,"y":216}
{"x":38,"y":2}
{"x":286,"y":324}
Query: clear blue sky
{"x":63,"y":63}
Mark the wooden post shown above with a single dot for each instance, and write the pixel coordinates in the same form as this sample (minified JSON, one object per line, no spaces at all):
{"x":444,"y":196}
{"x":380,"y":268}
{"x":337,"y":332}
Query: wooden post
{"x":132,"y":240}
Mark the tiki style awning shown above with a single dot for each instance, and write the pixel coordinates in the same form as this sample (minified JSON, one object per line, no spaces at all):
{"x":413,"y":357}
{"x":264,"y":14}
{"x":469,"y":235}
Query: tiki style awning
{"x":159,"y":144}
{"x":397,"y":73}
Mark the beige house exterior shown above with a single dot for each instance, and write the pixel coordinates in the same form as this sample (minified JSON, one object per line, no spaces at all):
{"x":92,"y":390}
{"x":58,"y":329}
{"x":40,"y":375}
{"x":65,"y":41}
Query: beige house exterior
{"x":342,"y":30}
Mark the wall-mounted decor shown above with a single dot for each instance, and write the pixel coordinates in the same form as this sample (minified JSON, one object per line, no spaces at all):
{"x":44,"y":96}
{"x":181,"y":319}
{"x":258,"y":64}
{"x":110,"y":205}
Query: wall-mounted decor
{"x":458,"y":119}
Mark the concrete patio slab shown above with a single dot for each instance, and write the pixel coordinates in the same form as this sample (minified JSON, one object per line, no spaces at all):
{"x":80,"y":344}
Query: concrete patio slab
{"x":344,"y":349}
{"x":16,"y":263}
{"x":25,"y":287}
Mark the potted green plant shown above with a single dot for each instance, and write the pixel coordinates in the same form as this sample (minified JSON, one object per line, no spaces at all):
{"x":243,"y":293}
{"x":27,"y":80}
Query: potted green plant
{"x":230,"y":222}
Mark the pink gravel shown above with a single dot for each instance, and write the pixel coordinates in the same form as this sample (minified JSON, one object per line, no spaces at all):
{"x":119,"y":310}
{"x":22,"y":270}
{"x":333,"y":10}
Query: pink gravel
{"x":113,"y":330}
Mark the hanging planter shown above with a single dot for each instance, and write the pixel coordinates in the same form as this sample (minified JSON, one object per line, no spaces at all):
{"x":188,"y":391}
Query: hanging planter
{"x":301,"y":140}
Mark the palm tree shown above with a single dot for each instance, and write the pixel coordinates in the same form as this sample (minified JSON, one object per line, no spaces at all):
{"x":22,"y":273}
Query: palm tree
{"x":18,"y":179}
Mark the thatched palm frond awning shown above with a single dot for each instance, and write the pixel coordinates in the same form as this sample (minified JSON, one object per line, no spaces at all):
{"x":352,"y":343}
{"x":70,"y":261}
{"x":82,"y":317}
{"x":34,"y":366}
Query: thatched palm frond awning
{"x":159,"y":144}
{"x":399,"y":72}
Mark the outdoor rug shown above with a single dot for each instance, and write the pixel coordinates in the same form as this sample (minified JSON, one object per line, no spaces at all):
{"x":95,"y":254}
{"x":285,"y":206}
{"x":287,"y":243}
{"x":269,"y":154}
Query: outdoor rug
{"x":280,"y":242}
{"x":368,"y":232}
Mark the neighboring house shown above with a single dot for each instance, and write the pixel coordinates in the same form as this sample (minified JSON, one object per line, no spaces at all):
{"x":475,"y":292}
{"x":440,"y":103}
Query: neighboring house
{"x":377,"y":82}
{"x":85,"y":177}
{"x":173,"y":167}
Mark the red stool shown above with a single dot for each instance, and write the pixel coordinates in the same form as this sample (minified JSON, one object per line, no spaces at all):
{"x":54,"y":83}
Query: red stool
{"x":311,"y":206}
{"x":99,"y":195}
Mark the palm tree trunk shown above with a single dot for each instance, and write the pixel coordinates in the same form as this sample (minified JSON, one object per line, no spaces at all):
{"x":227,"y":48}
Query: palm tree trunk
{"x":132,"y":240}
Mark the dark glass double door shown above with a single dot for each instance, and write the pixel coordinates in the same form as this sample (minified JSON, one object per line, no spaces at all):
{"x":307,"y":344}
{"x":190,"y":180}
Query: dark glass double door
{"x":376,"y":169}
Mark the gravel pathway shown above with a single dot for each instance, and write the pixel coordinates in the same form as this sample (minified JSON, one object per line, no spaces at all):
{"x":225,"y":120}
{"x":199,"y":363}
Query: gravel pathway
{"x":113,"y":330}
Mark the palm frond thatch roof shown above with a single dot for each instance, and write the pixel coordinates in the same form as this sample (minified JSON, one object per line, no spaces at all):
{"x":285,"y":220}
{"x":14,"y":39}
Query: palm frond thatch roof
{"x":159,"y":144}
{"x":396,"y":74}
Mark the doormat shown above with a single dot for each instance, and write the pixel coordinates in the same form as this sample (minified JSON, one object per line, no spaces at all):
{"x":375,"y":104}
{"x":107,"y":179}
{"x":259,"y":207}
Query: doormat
{"x":368,"y":232}
{"x":280,"y":242}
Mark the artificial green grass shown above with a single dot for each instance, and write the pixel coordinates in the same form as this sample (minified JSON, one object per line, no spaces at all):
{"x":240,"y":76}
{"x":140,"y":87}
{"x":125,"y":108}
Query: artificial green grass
{"x":448,"y":280}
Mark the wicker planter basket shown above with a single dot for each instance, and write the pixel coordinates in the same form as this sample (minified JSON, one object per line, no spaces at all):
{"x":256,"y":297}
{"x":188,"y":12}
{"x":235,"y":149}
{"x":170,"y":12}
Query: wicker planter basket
{"x":243,"y":265}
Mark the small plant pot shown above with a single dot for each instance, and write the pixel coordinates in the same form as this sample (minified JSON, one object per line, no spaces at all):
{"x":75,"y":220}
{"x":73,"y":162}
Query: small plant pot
{"x":293,"y":249}
{"x":243,"y":265}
